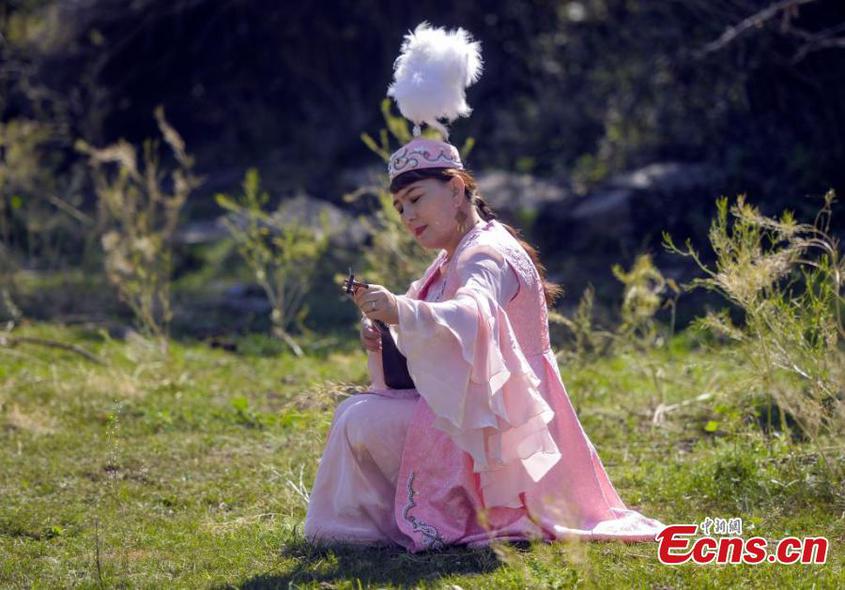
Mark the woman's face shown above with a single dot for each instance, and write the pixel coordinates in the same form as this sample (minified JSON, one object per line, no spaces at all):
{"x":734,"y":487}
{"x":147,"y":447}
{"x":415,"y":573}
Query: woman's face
{"x":427,"y":208}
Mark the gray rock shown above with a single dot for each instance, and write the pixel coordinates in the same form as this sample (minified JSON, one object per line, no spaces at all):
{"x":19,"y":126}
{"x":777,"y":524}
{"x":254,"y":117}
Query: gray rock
{"x":344,"y":228}
{"x":630,"y":211}
{"x":600,"y":204}
{"x":354,"y":178}
{"x":201,"y":232}
{"x":665,"y":177}
{"x":512,"y":193}
{"x":246,"y":298}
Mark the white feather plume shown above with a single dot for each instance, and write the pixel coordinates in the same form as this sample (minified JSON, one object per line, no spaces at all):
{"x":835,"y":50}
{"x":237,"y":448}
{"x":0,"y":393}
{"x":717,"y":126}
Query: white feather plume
{"x":431,"y":75}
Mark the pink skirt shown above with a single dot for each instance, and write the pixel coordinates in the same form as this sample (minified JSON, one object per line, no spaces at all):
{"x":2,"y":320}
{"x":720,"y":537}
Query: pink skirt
{"x":389,"y":477}
{"x":352,"y":497}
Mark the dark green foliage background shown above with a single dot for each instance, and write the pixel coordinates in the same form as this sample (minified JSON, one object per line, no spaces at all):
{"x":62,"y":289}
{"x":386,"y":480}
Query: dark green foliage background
{"x":574,"y":93}
{"x":594,"y":87}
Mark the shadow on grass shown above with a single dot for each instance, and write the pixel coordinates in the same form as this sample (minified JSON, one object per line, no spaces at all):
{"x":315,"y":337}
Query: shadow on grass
{"x":372,"y":565}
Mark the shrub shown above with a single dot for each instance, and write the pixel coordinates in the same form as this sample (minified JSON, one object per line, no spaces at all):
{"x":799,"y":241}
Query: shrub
{"x":8,"y":266}
{"x":24,"y":172}
{"x":587,"y":341}
{"x":281,"y":254}
{"x":138,"y":218}
{"x":646,"y":292}
{"x":786,"y":279}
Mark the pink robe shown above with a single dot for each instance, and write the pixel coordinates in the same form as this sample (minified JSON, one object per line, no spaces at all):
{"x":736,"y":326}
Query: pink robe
{"x":488,"y":445}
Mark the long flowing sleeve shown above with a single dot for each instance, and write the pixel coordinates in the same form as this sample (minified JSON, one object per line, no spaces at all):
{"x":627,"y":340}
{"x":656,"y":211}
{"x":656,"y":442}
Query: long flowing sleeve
{"x":467,"y":364}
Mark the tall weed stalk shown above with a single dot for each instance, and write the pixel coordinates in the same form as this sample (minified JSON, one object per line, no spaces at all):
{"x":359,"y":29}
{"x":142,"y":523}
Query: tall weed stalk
{"x":138,"y":219}
{"x":645,"y":293}
{"x":282,"y":254}
{"x":786,"y":278}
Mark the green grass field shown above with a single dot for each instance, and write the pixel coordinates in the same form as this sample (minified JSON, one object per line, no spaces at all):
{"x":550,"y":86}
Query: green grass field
{"x":189,"y":471}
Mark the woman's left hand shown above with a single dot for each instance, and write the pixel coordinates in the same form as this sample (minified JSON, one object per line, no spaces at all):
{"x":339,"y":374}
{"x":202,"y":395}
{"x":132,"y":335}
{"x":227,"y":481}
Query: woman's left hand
{"x":377,"y":303}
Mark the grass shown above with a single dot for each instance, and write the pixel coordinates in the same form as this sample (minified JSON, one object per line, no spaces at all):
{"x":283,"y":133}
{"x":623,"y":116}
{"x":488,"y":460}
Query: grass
{"x":187,"y":471}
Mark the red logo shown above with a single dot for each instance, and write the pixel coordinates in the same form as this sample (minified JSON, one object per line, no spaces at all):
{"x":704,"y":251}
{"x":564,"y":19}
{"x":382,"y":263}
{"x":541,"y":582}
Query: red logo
{"x":677,"y":545}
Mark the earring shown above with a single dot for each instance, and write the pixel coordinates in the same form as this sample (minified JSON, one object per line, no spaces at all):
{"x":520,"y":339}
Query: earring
{"x":461,"y":218}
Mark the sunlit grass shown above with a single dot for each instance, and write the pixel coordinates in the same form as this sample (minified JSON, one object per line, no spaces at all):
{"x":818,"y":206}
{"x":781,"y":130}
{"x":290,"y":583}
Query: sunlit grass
{"x":184,"y":471}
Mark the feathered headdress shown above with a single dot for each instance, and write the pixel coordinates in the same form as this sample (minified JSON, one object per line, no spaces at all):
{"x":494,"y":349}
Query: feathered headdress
{"x":431,"y":75}
{"x":430,"y":78}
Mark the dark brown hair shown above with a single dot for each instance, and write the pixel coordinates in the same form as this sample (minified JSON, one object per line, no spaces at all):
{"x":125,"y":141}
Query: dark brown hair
{"x":551,"y":290}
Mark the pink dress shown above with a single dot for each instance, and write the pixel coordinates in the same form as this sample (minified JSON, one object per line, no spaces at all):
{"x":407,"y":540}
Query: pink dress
{"x":488,"y":445}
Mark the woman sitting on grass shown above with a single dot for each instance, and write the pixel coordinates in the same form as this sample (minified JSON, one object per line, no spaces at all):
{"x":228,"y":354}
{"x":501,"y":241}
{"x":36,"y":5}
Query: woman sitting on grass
{"x":485,"y":443}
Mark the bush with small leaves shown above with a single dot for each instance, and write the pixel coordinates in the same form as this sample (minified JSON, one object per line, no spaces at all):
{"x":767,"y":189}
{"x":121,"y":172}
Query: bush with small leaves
{"x":138,"y":218}
{"x":787,"y":280}
{"x":282,"y":254}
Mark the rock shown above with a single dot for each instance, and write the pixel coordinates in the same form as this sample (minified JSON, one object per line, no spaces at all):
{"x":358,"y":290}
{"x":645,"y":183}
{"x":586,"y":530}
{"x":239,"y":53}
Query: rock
{"x":518,"y":194}
{"x":629,"y":212}
{"x":665,"y":177}
{"x":346,"y":230}
{"x":201,"y":232}
{"x":352,"y":179}
{"x":246,"y":298}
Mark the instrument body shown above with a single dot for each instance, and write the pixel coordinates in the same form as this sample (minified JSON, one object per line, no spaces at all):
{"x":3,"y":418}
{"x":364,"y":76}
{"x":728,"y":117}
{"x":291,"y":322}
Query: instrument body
{"x":394,"y":363}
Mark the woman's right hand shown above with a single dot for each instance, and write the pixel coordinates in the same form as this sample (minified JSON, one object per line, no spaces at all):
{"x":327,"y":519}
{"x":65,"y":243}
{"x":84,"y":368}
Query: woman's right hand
{"x":370,"y":336}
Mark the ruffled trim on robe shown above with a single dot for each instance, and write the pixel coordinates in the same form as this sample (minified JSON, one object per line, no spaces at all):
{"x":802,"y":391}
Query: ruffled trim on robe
{"x":466,"y":363}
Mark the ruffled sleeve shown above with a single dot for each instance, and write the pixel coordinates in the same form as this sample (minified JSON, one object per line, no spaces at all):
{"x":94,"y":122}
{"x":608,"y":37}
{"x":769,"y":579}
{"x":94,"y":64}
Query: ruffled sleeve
{"x":467,"y":364}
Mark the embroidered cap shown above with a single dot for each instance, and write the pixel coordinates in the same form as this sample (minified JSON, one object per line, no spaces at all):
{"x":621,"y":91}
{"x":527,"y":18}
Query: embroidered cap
{"x":430,"y":78}
{"x":422,"y":153}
